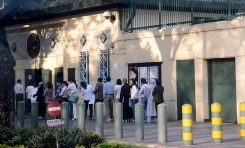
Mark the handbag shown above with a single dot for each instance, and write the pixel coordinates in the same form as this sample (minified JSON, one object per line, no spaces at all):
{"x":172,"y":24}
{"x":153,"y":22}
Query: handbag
{"x":73,"y":98}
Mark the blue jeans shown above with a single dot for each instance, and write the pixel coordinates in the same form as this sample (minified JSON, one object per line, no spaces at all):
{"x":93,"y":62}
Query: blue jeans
{"x":144,"y":102}
{"x":132,"y":103}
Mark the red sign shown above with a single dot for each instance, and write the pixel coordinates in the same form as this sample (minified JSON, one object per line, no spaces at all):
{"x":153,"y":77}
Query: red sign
{"x":54,"y":108}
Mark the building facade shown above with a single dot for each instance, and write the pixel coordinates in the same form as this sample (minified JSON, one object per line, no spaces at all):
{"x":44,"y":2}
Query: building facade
{"x":198,"y":55}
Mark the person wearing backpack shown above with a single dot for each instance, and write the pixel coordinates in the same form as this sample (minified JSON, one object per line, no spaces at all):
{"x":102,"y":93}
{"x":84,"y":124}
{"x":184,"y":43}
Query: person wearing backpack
{"x":144,"y":95}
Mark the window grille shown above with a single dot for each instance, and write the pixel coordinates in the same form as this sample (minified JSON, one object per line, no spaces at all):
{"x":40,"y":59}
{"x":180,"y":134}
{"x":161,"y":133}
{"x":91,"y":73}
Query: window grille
{"x":84,"y":67}
{"x":104,"y":70}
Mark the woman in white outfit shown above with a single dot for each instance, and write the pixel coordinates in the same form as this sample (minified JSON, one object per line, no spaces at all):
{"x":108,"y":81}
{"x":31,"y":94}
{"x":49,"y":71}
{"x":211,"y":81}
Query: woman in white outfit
{"x":72,"y":89}
{"x":151,"y":109}
{"x":89,"y":98}
{"x":117,"y":90}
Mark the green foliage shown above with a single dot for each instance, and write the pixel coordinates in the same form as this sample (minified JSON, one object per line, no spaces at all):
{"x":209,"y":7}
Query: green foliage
{"x":47,"y":137}
{"x":91,"y":139}
{"x":5,"y":134}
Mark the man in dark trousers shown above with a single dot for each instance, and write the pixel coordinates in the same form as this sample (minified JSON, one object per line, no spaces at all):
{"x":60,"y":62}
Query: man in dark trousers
{"x":124,"y":99}
{"x":19,"y":93}
{"x":98,"y":92}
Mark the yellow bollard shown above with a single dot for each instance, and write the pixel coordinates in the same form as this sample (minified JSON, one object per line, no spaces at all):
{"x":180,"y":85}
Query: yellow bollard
{"x":216,"y":122}
{"x":242,"y":120}
{"x":187,"y":124}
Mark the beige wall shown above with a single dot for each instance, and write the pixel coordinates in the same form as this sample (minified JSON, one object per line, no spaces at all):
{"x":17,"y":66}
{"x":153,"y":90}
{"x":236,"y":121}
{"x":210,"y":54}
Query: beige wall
{"x":198,"y":42}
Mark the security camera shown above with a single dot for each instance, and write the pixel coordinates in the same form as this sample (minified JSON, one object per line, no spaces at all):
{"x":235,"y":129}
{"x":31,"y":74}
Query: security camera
{"x":107,"y":14}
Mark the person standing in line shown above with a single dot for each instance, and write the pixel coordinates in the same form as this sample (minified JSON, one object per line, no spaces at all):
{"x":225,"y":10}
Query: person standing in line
{"x":124,"y":99}
{"x":28,"y":97}
{"x":40,"y":100}
{"x":98,"y":91}
{"x":117,"y":90}
{"x":108,"y":94}
{"x":64,"y":92}
{"x":134,"y":98}
{"x":58,"y":91}
{"x":58,"y":88}
{"x":144,"y":92}
{"x":48,"y":92}
{"x":72,"y":89}
{"x":151,"y":110}
{"x":87,"y":93}
{"x":33,"y":92}
{"x":19,"y":92}
{"x":158,"y":93}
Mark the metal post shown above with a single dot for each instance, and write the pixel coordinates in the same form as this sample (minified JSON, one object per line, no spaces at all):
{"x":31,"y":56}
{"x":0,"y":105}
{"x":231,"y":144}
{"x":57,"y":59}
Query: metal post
{"x":216,"y":123}
{"x":187,"y":124}
{"x":139,"y":121}
{"x":34,"y":114}
{"x":20,"y":113}
{"x":242,"y":121}
{"x":81,"y":115}
{"x":162,"y":123}
{"x":99,"y":118}
{"x":118,"y":120}
{"x":65,"y":113}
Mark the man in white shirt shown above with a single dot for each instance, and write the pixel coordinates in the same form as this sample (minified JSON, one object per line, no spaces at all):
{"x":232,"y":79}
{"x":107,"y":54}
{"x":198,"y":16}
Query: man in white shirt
{"x":28,"y":97}
{"x":19,"y":91}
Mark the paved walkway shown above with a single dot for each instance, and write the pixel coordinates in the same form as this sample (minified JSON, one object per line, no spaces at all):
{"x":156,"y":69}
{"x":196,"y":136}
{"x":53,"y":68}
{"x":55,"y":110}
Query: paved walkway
{"x":202,"y":134}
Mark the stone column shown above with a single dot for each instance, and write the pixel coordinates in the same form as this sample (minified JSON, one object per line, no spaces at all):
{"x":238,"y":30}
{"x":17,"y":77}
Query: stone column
{"x":201,"y":90}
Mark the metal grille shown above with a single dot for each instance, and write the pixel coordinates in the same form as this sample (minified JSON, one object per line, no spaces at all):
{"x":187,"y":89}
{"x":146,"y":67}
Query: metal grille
{"x":104,"y":64}
{"x":84,"y":67}
{"x":155,"y":14}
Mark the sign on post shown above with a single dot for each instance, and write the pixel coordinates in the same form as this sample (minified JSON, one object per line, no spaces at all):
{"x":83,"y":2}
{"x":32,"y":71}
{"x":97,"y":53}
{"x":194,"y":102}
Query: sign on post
{"x":54,"y":109}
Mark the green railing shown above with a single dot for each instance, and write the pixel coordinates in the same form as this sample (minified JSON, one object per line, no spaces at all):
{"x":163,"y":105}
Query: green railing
{"x":155,"y":14}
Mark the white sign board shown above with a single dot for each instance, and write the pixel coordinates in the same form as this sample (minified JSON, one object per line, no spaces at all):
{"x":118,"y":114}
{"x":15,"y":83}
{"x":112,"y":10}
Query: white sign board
{"x":55,"y":122}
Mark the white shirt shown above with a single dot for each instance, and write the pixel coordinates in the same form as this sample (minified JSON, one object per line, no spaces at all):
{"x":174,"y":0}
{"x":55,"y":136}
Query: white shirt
{"x":33,"y":92}
{"x":88,"y":93}
{"x":63,"y":92}
{"x":72,"y":88}
{"x":117,"y":90}
{"x":134,"y":92}
{"x":28,"y":90}
{"x":18,"y":89}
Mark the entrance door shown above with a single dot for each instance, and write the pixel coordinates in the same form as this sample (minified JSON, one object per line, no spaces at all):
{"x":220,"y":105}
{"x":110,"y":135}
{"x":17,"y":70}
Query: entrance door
{"x":186,"y":86}
{"x":37,"y":75}
{"x":46,"y":76}
{"x":222,"y":87}
{"x":144,"y":70}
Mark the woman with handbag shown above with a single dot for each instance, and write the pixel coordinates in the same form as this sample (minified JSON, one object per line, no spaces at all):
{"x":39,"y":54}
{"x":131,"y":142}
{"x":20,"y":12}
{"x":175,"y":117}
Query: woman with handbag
{"x":72,"y":91}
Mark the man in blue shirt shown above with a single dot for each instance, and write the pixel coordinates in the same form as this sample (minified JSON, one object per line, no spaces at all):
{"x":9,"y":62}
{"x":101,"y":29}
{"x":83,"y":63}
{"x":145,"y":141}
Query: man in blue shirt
{"x":109,"y":97}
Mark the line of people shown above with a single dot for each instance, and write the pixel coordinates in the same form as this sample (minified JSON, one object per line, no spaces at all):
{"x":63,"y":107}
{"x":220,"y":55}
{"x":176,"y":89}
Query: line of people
{"x":149,"y":94}
{"x":43,"y":94}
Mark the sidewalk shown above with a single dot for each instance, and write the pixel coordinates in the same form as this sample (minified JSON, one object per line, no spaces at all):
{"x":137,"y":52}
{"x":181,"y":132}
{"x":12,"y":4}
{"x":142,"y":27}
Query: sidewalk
{"x":202,"y":134}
